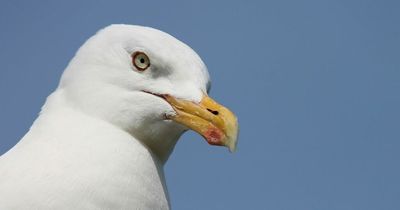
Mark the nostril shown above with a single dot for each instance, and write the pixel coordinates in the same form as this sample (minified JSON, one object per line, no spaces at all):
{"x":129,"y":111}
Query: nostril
{"x":213,"y":111}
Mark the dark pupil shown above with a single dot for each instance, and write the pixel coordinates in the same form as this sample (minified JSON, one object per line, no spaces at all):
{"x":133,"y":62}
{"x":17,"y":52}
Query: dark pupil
{"x":142,"y":60}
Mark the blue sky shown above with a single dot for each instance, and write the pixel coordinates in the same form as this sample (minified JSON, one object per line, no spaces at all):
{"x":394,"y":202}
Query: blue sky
{"x":315,"y":85}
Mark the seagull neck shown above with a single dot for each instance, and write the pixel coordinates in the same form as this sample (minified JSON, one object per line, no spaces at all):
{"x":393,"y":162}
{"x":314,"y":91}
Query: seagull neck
{"x":90,"y":153}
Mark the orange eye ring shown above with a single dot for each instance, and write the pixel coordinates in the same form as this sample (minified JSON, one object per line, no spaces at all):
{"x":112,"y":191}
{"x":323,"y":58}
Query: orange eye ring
{"x":140,"y":60}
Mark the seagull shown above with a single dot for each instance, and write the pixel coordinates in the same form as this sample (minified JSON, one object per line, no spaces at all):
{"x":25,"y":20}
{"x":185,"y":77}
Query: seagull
{"x":103,"y":136}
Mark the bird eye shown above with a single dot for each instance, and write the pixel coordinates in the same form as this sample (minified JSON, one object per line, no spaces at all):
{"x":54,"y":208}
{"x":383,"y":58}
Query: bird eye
{"x":140,"y":61}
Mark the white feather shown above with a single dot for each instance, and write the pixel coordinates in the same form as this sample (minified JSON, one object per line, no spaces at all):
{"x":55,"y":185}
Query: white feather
{"x":100,"y":142}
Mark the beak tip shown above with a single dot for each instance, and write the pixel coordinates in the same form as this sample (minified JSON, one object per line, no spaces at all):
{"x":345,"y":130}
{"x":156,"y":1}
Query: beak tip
{"x":232,"y":146}
{"x":232,"y":149}
{"x":233,"y":136}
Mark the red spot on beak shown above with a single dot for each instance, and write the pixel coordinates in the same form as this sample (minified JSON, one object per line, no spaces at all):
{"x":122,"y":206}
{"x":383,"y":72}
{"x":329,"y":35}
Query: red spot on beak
{"x":214,"y":136}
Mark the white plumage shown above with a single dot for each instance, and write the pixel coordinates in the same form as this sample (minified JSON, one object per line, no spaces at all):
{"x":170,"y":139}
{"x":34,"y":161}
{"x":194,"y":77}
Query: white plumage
{"x":101,"y":139}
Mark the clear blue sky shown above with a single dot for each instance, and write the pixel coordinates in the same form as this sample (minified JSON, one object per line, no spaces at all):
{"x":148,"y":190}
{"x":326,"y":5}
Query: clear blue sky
{"x":315,"y":85}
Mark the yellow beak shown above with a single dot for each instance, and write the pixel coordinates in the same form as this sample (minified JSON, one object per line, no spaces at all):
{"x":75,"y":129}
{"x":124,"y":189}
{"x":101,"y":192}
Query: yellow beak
{"x":217,"y":124}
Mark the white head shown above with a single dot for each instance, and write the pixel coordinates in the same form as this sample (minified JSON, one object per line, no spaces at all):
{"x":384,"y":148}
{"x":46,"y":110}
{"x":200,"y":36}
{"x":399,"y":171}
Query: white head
{"x":133,"y":77}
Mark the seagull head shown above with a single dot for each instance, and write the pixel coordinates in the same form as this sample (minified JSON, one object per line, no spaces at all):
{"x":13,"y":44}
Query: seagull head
{"x":149,"y":84}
